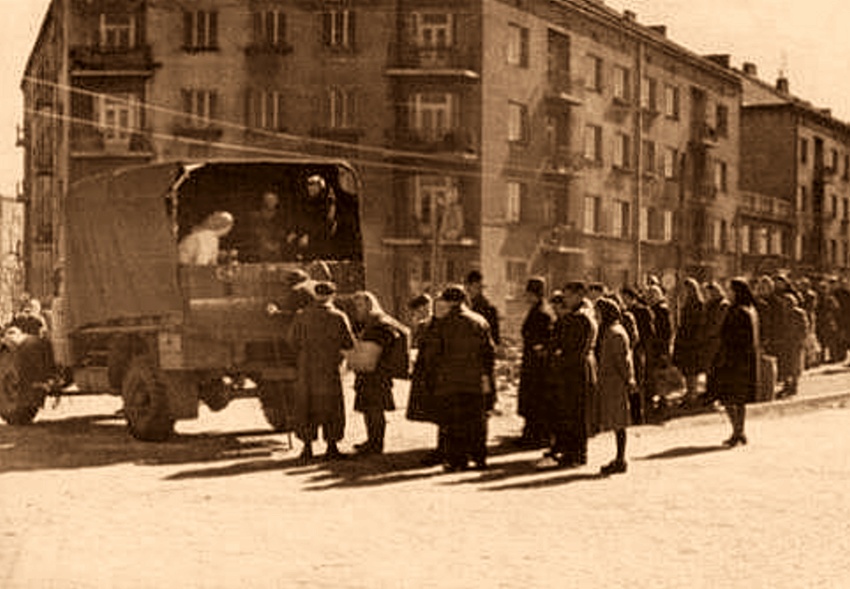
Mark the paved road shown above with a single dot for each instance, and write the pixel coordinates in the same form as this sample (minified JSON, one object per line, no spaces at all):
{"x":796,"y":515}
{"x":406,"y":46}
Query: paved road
{"x":225,"y":505}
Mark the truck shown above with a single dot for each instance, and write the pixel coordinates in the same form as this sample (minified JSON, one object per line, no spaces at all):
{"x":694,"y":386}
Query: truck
{"x":131,"y":318}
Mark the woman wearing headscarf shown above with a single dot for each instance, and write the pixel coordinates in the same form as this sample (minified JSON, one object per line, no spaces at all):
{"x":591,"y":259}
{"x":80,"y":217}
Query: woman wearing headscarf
{"x":688,"y":346}
{"x":737,"y":361}
{"x":615,"y":379}
{"x":201,"y":246}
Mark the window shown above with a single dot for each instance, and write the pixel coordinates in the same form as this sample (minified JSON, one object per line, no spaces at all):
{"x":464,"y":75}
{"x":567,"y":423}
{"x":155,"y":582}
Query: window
{"x":622,"y":151}
{"x":798,"y":247}
{"x":515,"y":276}
{"x":517,"y":45}
{"x":118,"y":116}
{"x":846,"y":167}
{"x":513,"y":203}
{"x":517,"y":122}
{"x":265,"y":110}
{"x":667,"y":220}
{"x":200,"y":30}
{"x":270,"y":28}
{"x":199,"y":106}
{"x":761,"y":241}
{"x":834,"y":203}
{"x":117,"y":31}
{"x":648,"y":155}
{"x":776,"y":239}
{"x":722,"y":120}
{"x":833,"y":162}
{"x":433,"y":30}
{"x":594,"y":73}
{"x":716,"y":235}
{"x":592,"y":214}
{"x":671,"y":102}
{"x":720,"y":178}
{"x":340,"y":108}
{"x":558,"y":54}
{"x":804,"y":151}
{"x":338,"y":28}
{"x":622,"y":221}
{"x":593,"y":143}
{"x":622,"y":84}
{"x":431,"y":191}
{"x":649,"y":95}
{"x":656,"y":224}
{"x":845,"y":208}
{"x":671,"y":162}
{"x":846,"y":256}
{"x":833,"y":251}
{"x":802,"y":205}
{"x":746,"y":239}
{"x":432,"y":115}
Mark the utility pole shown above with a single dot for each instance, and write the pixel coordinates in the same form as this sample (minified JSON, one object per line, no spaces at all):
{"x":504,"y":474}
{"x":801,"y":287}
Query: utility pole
{"x":638,"y":157}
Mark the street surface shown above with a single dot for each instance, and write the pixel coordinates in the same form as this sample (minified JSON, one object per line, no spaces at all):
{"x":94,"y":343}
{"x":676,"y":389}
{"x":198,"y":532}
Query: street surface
{"x":225,"y":504}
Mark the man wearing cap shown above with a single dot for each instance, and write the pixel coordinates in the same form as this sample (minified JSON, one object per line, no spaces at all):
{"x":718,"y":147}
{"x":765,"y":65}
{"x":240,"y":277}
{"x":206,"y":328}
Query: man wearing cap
{"x":463,"y":381}
{"x":572,"y":370}
{"x":536,"y":331}
{"x":319,"y":334}
{"x":478,"y":302}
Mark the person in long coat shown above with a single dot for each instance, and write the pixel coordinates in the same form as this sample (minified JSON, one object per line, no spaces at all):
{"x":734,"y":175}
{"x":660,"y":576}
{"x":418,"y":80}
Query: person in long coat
{"x":716,"y":307}
{"x":790,"y":348}
{"x":373,"y":387}
{"x":736,"y":365}
{"x":640,"y":351}
{"x":536,"y":332}
{"x":572,"y":371}
{"x":688,"y":346}
{"x":319,"y":334}
{"x":615,"y":380}
{"x":464,"y":378}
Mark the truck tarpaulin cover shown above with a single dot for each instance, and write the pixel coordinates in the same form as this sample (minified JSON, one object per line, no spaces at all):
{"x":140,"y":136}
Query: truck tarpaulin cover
{"x":122,"y":257}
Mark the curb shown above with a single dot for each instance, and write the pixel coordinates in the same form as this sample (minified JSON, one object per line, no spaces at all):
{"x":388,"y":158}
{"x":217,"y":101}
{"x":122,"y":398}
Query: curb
{"x":792,"y":406}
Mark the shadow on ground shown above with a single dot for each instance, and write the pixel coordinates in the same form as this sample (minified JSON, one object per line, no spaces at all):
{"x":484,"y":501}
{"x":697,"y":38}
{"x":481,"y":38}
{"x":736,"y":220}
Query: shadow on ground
{"x":101,"y":440}
{"x":683,"y":452}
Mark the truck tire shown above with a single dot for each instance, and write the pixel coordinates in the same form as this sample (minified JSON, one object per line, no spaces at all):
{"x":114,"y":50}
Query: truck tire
{"x":276,"y":397}
{"x":20,"y":400}
{"x":146,"y":401}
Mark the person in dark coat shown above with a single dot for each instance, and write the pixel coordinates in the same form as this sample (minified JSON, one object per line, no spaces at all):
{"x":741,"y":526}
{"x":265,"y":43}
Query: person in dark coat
{"x":736,"y":365}
{"x":373,"y":386}
{"x":464,"y":376}
{"x":688,"y":346}
{"x":319,"y":334}
{"x":615,"y":380}
{"x":663,"y":322}
{"x":536,"y":332}
{"x":716,"y":307}
{"x":770,"y":315}
{"x":422,"y":404}
{"x":474,"y":287}
{"x":842,"y":295}
{"x":826,"y":322}
{"x":572,"y":372}
{"x":790,"y":348}
{"x":640,"y":351}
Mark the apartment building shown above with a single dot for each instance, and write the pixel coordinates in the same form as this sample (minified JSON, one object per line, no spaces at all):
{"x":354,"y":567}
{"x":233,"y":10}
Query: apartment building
{"x":795,"y":160}
{"x":520,"y":137}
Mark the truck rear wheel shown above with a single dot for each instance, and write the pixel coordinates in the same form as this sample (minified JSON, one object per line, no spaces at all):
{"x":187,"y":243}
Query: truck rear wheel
{"x":277,"y":400}
{"x":19,"y":399}
{"x":145,"y":395}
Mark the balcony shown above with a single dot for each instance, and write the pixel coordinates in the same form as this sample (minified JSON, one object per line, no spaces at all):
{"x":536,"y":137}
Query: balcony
{"x":704,"y":135}
{"x":563,"y":89}
{"x":414,"y":61}
{"x":454,"y":141}
{"x":91,"y":141}
{"x":765,"y":207}
{"x":562,"y":239}
{"x":562,"y":162}
{"x":96,"y":61}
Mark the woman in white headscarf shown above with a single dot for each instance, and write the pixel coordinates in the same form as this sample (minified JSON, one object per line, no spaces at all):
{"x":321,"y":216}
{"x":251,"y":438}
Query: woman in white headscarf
{"x":200,"y":246}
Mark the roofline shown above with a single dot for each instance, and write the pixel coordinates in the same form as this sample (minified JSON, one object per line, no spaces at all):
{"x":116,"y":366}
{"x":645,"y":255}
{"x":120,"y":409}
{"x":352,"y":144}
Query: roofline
{"x":42,"y":31}
{"x":800,"y":107}
{"x":609,"y":16}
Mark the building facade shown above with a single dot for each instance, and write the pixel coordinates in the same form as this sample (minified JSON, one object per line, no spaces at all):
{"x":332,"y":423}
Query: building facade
{"x":796,"y":157}
{"x":517,"y":137}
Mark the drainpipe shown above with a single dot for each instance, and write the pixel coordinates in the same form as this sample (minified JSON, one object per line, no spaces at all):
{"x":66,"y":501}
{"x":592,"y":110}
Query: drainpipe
{"x":638,"y":158}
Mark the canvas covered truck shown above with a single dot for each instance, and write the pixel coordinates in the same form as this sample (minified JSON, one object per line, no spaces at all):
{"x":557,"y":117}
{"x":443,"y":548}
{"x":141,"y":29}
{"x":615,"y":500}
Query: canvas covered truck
{"x":130,"y":319}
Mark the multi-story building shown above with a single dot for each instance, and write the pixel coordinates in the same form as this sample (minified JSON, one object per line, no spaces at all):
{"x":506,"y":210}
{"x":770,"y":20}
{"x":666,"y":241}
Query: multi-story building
{"x":558,"y":138}
{"x":796,"y":156}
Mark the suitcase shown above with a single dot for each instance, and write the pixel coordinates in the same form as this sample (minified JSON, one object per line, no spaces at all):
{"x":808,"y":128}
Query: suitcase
{"x":766,"y":389}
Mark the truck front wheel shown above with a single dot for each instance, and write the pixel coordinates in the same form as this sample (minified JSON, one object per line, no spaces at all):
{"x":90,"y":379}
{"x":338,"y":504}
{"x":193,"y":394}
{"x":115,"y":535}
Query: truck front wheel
{"x":146,"y":401}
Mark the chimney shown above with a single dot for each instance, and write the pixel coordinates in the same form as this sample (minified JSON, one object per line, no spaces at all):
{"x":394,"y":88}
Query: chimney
{"x":827,"y":112}
{"x":782,"y":84}
{"x":750,"y":69}
{"x":720,"y":59}
{"x":660,"y":29}
{"x":630,"y":15}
